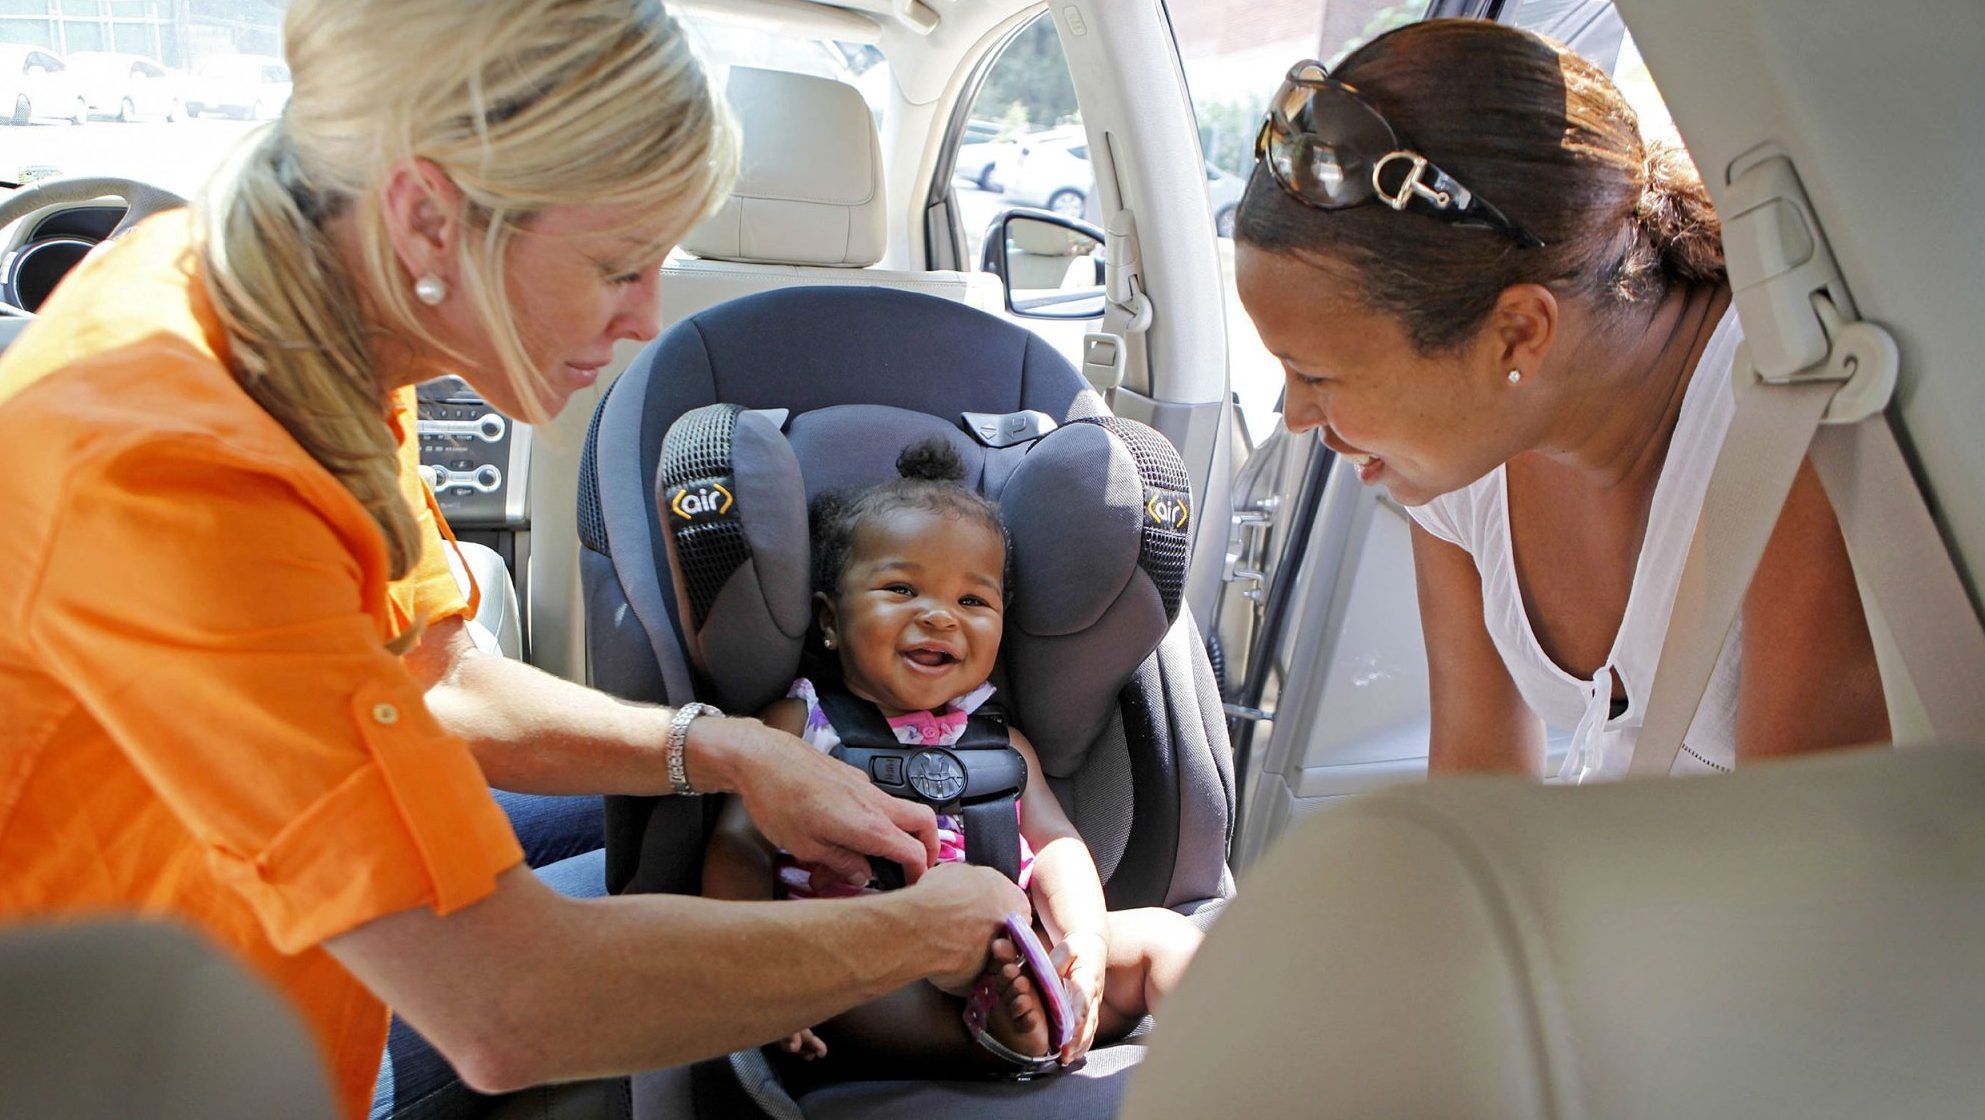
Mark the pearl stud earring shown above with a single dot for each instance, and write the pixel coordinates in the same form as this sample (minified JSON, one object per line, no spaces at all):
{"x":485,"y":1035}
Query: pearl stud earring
{"x":1515,"y":376}
{"x":431,"y":290}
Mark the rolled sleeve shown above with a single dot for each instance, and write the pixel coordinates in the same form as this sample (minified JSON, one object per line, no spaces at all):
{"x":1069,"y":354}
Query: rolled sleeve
{"x":229,"y":634}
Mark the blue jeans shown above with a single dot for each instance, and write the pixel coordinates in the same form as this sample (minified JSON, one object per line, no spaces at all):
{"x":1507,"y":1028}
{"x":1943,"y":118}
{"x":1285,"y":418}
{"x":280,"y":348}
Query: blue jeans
{"x":553,"y":828}
{"x":562,"y":838}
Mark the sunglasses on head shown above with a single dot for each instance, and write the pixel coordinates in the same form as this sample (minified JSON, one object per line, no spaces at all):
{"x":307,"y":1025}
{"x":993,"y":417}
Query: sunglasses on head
{"x":1327,"y":147}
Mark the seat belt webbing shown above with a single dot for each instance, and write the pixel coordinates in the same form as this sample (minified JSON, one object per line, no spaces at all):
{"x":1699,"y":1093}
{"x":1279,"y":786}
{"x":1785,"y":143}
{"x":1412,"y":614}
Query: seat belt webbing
{"x":992,"y":836}
{"x":1891,"y":540}
{"x":1902,"y":561}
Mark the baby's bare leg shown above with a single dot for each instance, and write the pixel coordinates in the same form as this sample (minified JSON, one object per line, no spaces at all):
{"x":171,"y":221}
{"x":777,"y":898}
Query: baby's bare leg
{"x":1149,"y":950}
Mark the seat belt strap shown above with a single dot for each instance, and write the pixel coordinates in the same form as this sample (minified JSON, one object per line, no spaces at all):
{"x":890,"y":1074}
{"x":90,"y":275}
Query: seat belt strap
{"x":1818,"y":366}
{"x":1901,"y":559}
{"x":1769,"y":433}
{"x":1891,"y":539}
{"x":992,"y":835}
{"x":996,"y":776}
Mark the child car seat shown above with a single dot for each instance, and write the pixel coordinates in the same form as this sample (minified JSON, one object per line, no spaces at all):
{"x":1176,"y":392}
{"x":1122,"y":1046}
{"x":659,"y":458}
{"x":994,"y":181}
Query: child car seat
{"x":830,"y":384}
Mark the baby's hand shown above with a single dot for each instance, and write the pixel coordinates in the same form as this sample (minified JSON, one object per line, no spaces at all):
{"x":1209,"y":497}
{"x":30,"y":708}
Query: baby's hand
{"x":804,"y":1043}
{"x":1082,"y":959}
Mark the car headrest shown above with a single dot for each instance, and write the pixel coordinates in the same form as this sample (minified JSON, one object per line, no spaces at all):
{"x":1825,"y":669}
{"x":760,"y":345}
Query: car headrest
{"x":1098,"y":511}
{"x":810,"y":183}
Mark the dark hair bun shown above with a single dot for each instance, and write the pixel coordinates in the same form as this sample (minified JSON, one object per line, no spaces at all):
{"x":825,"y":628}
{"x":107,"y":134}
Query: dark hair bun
{"x":1675,"y":210}
{"x":931,"y":460}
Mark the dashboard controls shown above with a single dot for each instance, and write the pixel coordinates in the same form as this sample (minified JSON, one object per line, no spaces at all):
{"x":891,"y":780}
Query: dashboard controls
{"x":489,"y":427}
{"x":472,"y":457}
{"x":484,"y":479}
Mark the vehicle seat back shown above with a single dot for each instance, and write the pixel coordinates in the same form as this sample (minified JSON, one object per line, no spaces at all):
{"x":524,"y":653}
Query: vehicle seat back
{"x":808,"y":206}
{"x":144,"y":1019}
{"x":1795,"y":940}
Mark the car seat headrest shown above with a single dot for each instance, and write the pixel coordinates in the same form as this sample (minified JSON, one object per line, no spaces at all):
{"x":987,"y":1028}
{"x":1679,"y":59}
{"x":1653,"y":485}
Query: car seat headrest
{"x":728,"y":488}
{"x":810,"y":182}
{"x":1098,"y":512}
{"x":1100,"y":516}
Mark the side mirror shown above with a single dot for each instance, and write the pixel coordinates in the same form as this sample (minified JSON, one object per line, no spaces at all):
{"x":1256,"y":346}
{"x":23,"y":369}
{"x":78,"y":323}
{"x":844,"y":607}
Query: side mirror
{"x":1050,"y":266}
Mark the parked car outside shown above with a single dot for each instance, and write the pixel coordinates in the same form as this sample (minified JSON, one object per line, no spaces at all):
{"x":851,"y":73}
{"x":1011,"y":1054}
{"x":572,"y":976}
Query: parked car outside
{"x":1051,"y":170}
{"x":35,"y":84}
{"x":980,"y":151}
{"x":125,"y":86}
{"x":243,"y":86}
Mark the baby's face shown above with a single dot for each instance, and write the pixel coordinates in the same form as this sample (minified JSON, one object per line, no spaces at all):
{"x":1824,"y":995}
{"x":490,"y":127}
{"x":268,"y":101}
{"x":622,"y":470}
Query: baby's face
{"x":920,"y":612}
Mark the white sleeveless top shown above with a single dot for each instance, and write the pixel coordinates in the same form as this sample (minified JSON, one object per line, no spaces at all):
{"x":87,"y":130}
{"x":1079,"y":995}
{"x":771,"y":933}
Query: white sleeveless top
{"x":1477,"y":519}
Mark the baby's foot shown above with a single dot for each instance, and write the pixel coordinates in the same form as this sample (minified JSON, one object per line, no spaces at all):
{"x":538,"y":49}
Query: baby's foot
{"x":1016,"y":1020}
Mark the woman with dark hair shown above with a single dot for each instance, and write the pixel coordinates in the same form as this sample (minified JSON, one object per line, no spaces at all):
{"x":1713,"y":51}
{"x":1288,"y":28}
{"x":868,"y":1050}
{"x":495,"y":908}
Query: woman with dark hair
{"x":1499,"y":302}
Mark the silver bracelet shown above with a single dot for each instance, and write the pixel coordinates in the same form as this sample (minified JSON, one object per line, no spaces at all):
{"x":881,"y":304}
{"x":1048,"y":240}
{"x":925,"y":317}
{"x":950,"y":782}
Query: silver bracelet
{"x":678,"y":739}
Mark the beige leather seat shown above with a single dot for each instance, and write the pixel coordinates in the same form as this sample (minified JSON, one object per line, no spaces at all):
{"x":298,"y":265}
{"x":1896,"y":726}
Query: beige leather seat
{"x":145,"y":1022}
{"x":1799,"y":940}
{"x":809,"y":206}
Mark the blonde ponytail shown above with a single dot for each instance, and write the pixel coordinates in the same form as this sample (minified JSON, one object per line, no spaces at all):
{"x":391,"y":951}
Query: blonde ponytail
{"x":525,"y":105}
{"x":296,"y":341}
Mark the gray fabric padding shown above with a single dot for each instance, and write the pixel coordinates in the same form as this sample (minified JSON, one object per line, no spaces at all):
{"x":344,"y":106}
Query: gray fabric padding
{"x":627,"y":514}
{"x":750,"y":639}
{"x":1074,"y":507}
{"x":1098,"y":798}
{"x":1205,"y":768}
{"x":768,"y":478}
{"x":1093,"y":1090}
{"x":750,"y":659}
{"x":852,"y":447}
{"x":1064,"y":688}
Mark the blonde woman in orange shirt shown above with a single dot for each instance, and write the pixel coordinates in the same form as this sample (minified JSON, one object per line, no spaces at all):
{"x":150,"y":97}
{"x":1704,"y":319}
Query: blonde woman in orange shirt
{"x":221,"y":703}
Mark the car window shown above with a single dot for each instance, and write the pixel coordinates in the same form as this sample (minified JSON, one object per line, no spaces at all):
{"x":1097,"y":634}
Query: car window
{"x":1014,"y":150}
{"x":222,"y":67}
{"x":1594,"y":29}
{"x":1235,"y":54}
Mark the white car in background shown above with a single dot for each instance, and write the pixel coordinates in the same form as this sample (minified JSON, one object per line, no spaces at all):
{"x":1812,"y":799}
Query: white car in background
{"x":250,"y":87}
{"x":980,"y":152}
{"x":35,"y":84}
{"x":125,"y":86}
{"x":1051,"y":170}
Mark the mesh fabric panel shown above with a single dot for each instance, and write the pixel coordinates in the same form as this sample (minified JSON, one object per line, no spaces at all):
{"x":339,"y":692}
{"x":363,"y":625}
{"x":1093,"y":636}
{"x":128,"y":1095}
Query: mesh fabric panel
{"x":1164,"y":549}
{"x":592,"y":523}
{"x":697,"y":450}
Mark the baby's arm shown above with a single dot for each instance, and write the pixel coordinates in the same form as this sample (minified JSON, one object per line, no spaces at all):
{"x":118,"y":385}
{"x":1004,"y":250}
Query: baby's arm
{"x":1067,"y":892}
{"x":739,"y":861}
{"x":1068,"y":898}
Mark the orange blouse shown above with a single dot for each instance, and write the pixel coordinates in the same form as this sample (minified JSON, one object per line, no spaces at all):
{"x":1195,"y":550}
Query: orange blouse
{"x":199,"y":719}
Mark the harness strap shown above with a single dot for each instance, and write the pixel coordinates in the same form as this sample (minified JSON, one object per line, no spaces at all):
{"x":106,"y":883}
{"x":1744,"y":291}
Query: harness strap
{"x":986,"y":795}
{"x":992,"y":836}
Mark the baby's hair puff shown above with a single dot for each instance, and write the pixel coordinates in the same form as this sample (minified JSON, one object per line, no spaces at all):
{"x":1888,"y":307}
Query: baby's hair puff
{"x":931,"y":478}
